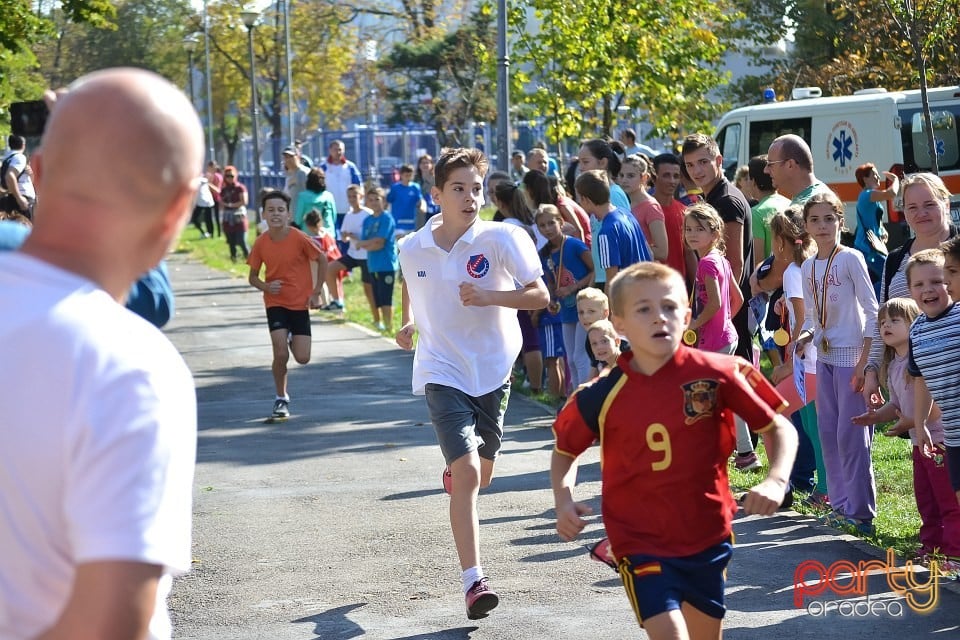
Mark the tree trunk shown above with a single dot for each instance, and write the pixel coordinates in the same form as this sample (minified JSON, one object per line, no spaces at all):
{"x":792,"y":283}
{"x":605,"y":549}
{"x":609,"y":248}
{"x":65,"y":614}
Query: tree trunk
{"x":925,"y":102}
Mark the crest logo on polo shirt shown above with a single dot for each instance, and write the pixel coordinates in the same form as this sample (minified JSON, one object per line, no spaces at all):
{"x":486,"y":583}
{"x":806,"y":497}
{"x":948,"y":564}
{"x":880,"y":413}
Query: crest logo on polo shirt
{"x":478,"y":266}
{"x":699,"y":399}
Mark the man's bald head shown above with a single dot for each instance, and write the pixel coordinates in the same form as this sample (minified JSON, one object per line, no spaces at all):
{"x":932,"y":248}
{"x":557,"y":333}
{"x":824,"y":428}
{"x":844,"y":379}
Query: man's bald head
{"x":122,"y":136}
{"x":116,"y":176}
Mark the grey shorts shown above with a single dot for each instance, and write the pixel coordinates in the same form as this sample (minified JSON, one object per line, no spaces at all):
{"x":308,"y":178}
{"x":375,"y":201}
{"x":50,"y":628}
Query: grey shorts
{"x":465,"y":423}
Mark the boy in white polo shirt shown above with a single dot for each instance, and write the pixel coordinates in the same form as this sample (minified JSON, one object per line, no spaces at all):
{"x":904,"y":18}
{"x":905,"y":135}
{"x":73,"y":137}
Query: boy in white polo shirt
{"x":460,"y":284}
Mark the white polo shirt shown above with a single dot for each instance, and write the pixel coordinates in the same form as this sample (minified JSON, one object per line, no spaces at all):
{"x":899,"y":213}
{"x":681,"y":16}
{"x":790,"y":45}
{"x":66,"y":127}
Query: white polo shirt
{"x":468,"y":348}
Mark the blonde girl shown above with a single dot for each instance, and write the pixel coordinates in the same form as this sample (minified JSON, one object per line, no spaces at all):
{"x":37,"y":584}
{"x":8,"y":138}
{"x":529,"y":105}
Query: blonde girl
{"x":717,"y":297}
{"x":605,"y":342}
{"x":936,"y":501}
{"x":841,"y":313}
{"x":791,"y":246}
{"x":634,"y":173}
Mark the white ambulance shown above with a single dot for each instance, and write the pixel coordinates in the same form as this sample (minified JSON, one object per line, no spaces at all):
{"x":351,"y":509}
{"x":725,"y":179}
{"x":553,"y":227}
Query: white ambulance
{"x":873,"y":125}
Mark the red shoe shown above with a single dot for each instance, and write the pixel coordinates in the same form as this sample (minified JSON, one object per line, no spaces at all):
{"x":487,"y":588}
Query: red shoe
{"x":447,"y":480}
{"x":481,"y":600}
{"x":601,"y":553}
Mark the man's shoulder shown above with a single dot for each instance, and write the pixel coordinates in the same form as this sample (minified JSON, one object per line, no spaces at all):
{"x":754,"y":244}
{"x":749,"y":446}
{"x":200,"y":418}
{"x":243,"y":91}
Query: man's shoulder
{"x":725,"y":197}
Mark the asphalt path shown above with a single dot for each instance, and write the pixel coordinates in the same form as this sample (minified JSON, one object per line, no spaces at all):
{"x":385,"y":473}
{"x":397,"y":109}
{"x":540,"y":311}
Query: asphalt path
{"x":334,"y":525}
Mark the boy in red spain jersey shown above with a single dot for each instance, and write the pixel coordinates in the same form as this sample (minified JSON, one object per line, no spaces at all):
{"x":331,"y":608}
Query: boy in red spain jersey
{"x":664,"y":419}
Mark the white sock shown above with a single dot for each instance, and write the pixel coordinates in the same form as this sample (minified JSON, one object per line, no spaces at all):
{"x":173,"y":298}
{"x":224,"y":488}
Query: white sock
{"x":285,"y":398}
{"x":469,"y":576}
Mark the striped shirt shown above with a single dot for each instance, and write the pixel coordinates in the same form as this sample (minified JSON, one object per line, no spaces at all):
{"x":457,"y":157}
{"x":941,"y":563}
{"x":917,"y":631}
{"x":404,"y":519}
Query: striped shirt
{"x":935,"y":355}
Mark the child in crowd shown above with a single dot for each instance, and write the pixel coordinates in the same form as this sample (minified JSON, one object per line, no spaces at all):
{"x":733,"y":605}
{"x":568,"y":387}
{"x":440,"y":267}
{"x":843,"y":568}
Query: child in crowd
{"x":634,"y":173}
{"x":313,"y":222}
{"x":351,"y":230}
{"x":841,"y":311}
{"x":605,"y":342}
{"x":667,"y":503}
{"x":549,"y":327}
{"x":717,"y":297}
{"x":936,"y":502}
{"x":932,"y":276}
{"x":234,"y":200}
{"x":619,"y":241}
{"x":379,"y":240}
{"x":792,"y":245}
{"x":466,"y":278}
{"x":291,"y":258}
{"x":568,"y":268}
{"x":592,"y":305}
{"x":406,"y":202}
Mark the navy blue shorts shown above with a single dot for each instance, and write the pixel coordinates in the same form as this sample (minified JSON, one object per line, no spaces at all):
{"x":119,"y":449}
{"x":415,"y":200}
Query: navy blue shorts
{"x":349,"y":262}
{"x":295,"y":322}
{"x":656,"y":585}
{"x":382,"y":283}
{"x":551,"y":340}
{"x":953,"y":466}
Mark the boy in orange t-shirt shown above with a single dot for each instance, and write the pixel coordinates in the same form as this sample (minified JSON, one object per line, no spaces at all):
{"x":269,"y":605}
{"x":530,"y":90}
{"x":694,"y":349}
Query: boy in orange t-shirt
{"x":288,"y":289}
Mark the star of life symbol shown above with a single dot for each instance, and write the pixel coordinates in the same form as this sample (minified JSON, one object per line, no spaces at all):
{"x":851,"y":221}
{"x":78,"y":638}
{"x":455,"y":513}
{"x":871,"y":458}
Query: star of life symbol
{"x":941,"y":146}
{"x":841,"y":148}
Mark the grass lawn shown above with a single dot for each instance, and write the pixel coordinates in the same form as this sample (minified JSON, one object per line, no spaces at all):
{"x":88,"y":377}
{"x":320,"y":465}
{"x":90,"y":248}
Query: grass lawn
{"x":897,"y":519}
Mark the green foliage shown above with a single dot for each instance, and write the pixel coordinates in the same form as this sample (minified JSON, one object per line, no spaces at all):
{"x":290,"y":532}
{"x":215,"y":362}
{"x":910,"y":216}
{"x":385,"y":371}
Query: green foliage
{"x":590,"y":57}
{"x":446,"y":78}
{"x":318,"y":37}
{"x":22,"y":27}
{"x":848,"y":45}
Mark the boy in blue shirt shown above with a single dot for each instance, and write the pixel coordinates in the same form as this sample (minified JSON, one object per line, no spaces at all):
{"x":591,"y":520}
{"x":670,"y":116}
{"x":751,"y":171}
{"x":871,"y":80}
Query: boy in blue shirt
{"x":620,"y":241}
{"x":405,"y":200}
{"x":379,"y":238}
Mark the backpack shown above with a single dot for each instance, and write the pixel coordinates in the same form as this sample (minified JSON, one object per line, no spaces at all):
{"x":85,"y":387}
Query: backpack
{"x":5,"y":167}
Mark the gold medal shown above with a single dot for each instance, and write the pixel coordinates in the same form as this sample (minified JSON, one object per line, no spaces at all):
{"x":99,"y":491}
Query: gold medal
{"x":824,"y":345}
{"x":781,"y":337}
{"x":690,"y":337}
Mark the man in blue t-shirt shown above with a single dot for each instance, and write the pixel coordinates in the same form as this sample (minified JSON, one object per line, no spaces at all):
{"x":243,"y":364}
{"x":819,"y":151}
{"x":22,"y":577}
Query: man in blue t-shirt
{"x":405,"y":200}
{"x":620,"y":241}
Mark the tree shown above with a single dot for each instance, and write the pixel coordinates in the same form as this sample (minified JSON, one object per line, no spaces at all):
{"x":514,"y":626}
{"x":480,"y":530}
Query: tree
{"x":22,"y":26}
{"x":590,"y":57}
{"x":146,"y":34}
{"x":445,"y":80}
{"x":843,"y":46}
{"x":320,"y":42}
{"x":924,"y":24}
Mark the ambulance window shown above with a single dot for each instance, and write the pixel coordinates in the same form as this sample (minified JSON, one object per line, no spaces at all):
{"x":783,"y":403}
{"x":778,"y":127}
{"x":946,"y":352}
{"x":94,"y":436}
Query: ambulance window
{"x":764,"y":132}
{"x":945,"y":140}
{"x":729,"y":142}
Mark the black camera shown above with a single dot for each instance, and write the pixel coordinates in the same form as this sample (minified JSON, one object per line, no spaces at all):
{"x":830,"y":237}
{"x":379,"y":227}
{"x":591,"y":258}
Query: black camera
{"x":28,"y":119}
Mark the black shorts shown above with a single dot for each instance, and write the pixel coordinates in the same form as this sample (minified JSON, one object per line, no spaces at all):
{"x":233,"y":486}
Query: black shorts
{"x":383,"y":287}
{"x":953,"y":466}
{"x":349,"y":262}
{"x":297,"y":323}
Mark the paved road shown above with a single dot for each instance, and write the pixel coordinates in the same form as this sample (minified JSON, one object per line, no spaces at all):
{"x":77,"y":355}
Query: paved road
{"x":333,"y":526}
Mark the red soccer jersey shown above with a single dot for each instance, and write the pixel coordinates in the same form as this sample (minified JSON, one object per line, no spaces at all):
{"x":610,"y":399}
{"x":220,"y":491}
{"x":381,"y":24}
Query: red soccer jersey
{"x":665,"y":440}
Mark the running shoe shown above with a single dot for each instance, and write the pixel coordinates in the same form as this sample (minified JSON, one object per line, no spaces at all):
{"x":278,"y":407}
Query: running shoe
{"x":481,"y":600}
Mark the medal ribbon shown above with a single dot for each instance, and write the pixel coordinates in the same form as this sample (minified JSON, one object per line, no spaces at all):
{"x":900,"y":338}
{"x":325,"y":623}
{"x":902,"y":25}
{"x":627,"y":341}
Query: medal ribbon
{"x":820,"y":304}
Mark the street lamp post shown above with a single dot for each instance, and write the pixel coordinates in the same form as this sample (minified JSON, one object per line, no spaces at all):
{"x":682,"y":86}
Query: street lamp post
{"x":250,"y":20}
{"x":206,"y":79}
{"x":190,"y":44}
{"x":503,"y":89}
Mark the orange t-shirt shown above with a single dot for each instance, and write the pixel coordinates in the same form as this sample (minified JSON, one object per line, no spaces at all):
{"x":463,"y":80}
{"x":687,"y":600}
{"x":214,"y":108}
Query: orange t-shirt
{"x":287,"y":260}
